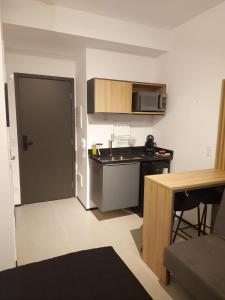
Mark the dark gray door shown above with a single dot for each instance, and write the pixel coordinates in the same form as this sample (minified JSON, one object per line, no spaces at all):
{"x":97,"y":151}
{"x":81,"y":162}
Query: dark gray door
{"x":45,"y":121}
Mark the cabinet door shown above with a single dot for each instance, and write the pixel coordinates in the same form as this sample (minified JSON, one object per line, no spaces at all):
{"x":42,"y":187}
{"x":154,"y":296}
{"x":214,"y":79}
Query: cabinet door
{"x":120,"y":188}
{"x":121,"y":96}
{"x":113,"y":96}
{"x":102,"y":96}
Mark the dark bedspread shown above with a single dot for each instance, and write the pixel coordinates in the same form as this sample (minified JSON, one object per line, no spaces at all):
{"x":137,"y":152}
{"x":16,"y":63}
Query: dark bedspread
{"x":97,"y":274}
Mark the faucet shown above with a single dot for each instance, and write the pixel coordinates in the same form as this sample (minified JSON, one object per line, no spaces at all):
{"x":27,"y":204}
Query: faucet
{"x":110,"y":144}
{"x":110,"y":147}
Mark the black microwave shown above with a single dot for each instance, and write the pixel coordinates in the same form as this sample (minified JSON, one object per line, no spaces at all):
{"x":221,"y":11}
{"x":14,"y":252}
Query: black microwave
{"x":148,"y":101}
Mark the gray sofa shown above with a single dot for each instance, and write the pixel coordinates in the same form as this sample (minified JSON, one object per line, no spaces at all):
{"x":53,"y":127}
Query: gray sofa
{"x":199,"y":264}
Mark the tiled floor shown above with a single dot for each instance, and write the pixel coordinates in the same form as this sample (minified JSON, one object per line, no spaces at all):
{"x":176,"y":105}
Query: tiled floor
{"x":54,"y":228}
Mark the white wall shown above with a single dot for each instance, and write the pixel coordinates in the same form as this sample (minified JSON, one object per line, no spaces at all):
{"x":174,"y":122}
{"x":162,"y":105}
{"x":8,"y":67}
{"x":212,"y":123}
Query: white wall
{"x":193,"y":71}
{"x":7,"y":224}
{"x":121,"y":66}
{"x":94,"y":28}
{"x":81,"y":131}
{"x":32,"y":64}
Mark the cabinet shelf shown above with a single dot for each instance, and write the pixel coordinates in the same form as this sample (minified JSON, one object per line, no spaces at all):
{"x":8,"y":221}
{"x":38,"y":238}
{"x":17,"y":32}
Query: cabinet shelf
{"x":147,"y":113}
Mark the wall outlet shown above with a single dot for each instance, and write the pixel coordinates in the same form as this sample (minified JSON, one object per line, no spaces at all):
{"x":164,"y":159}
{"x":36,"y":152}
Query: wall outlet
{"x":209,"y":151}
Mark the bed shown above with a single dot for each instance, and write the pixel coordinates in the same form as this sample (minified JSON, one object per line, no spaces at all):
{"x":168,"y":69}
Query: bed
{"x":96,"y":274}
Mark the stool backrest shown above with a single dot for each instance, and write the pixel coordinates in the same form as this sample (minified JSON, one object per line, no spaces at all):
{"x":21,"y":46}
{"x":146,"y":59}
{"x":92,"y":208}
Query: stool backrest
{"x":219,"y":226}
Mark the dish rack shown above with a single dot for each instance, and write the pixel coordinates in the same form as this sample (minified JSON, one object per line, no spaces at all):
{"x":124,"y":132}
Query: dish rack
{"x":123,"y":139}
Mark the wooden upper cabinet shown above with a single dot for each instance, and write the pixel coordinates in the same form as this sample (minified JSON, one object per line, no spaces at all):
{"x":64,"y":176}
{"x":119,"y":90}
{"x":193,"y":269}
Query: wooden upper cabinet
{"x":115,"y":96}
{"x":109,"y":96}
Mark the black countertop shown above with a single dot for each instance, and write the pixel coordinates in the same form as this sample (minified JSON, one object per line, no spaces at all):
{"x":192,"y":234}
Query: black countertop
{"x":129,"y":154}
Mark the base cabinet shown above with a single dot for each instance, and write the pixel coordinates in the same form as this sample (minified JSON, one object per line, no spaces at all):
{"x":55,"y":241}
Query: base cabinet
{"x":150,"y":168}
{"x":114,"y":186}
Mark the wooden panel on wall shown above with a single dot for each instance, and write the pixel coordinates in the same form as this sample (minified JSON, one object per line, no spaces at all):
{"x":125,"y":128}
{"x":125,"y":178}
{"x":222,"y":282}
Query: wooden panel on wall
{"x":220,"y":150}
{"x":157,"y":226}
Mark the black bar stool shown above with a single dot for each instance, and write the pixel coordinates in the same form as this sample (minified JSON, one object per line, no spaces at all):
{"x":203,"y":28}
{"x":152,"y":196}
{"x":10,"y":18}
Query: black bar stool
{"x":206,"y":197}
{"x":184,"y":202}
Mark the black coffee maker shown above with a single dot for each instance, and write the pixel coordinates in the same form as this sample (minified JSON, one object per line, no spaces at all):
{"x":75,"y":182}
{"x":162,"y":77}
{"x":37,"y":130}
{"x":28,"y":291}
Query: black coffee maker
{"x":150,"y":145}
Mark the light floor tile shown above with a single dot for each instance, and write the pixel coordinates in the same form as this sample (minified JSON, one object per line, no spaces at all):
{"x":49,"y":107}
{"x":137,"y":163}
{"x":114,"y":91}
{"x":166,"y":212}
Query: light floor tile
{"x":54,"y":228}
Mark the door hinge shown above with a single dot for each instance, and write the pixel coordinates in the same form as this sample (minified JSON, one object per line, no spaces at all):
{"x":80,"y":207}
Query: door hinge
{"x":71,"y":140}
{"x":71,"y":96}
{"x":72,"y":184}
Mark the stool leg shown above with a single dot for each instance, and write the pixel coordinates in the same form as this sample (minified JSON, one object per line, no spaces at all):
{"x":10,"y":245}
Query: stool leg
{"x":205,"y":216}
{"x":178,"y":225}
{"x":199,"y":222}
{"x":202,"y":218}
{"x":174,"y":215}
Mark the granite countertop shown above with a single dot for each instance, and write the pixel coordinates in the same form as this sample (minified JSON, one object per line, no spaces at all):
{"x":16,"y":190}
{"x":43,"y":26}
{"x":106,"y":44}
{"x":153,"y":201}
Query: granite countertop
{"x":129,"y":154}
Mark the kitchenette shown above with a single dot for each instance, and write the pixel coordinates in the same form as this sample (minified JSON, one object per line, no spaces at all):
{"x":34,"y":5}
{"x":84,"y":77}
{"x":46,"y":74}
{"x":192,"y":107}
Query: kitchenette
{"x":117,"y":175}
{"x":117,"y":172}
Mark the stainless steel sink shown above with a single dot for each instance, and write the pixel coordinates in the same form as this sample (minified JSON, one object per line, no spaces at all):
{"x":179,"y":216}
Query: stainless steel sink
{"x":118,"y":157}
{"x":121,"y":157}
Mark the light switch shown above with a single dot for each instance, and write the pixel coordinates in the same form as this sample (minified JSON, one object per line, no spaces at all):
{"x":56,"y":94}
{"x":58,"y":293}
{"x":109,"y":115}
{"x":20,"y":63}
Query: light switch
{"x":209,"y":151}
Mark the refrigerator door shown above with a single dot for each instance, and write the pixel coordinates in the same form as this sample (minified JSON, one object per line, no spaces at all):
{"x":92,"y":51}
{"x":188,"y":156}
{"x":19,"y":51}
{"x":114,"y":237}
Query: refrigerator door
{"x":120,"y":186}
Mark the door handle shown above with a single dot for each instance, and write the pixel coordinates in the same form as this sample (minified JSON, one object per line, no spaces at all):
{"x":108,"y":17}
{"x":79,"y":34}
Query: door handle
{"x":26,"y":142}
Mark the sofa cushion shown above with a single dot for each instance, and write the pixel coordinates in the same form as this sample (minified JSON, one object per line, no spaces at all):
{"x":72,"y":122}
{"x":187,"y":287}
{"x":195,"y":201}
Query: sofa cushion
{"x":199,"y":266}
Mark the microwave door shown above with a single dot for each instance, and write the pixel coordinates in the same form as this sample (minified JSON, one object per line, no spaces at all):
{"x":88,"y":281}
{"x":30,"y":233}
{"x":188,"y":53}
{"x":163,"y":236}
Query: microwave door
{"x":150,"y":102}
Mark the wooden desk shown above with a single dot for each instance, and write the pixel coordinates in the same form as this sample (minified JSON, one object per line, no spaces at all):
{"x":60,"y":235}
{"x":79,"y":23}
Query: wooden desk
{"x":158,"y":211}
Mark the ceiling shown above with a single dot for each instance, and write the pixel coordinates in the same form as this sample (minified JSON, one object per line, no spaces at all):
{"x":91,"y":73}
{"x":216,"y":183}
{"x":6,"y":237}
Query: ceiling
{"x":164,"y":14}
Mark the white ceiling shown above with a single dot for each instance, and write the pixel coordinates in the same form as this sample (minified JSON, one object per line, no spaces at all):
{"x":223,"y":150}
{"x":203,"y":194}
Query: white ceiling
{"x":165,"y":14}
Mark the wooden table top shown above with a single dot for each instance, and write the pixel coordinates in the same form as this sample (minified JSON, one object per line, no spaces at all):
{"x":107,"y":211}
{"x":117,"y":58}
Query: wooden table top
{"x":189,"y":179}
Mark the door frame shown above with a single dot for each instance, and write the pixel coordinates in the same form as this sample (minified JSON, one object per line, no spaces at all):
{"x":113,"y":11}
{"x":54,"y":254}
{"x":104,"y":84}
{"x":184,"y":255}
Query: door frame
{"x":18,"y":121}
{"x":220,"y":152}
